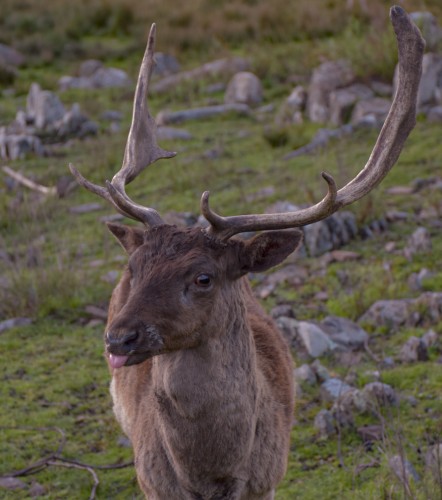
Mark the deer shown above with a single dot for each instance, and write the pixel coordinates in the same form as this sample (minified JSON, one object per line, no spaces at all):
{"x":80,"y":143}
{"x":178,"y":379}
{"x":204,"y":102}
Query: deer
{"x":201,"y":377}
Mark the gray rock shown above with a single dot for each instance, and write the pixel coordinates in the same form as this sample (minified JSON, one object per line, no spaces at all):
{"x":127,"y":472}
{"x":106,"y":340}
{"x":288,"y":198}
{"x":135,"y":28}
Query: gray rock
{"x":110,"y":77}
{"x":12,"y":483}
{"x":429,"y":27}
{"x":416,"y":280}
{"x":314,"y":339}
{"x":172,"y":134}
{"x":44,"y":108}
{"x":327,"y":77}
{"x":431,"y":79}
{"x":290,"y":111}
{"x":322,"y":374}
{"x":219,"y":68}
{"x":72,"y":121}
{"x":282,"y":310}
{"x":244,"y":88}
{"x":17,"y":146}
{"x":414,"y":349}
{"x":7,"y":324}
{"x":89,"y":67}
{"x":431,"y":305}
{"x":343,"y":100}
{"x":382,"y":89}
{"x":380,"y":394}
{"x":430,"y":338}
{"x":434,"y":114}
{"x":344,"y":332}
{"x":174,"y":117}
{"x":165,"y":64}
{"x":289,"y":329}
{"x":371,"y":111}
{"x":10,"y":57}
{"x":333,"y":388}
{"x":403,"y":469}
{"x":348,"y":404}
{"x":317,"y":238}
{"x":305,"y":374}
{"x":324,"y":424}
{"x":391,"y":314}
{"x":112,"y":116}
{"x":433,"y":460}
{"x":418,"y":242}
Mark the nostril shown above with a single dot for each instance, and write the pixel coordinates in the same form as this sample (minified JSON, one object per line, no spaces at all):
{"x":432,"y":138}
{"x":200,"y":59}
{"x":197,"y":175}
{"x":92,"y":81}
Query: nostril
{"x":129,"y":338}
{"x":114,"y":340}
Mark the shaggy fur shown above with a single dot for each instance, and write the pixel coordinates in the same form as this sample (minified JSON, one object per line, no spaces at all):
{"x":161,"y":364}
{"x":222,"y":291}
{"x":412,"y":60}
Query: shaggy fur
{"x":206,"y":395}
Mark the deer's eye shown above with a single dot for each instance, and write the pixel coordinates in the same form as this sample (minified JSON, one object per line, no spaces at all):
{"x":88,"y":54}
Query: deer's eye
{"x":203,"y":280}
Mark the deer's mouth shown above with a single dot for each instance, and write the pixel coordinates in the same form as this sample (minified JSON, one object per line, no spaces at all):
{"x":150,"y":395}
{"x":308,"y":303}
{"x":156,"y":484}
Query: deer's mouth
{"x":132,"y":358}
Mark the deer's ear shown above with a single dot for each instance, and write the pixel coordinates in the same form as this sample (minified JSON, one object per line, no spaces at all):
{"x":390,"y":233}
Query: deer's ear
{"x":268,"y":249}
{"x":129,"y":237}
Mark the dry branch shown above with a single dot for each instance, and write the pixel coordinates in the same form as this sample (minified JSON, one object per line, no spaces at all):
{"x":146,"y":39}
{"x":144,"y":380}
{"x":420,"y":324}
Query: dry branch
{"x":25,"y":181}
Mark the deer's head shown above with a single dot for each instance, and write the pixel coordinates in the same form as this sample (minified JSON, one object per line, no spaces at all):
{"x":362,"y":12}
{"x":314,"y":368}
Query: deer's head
{"x":191,"y":274}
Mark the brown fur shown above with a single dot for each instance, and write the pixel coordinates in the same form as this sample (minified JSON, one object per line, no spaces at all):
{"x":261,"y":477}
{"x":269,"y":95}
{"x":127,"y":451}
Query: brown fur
{"x":207,"y":395}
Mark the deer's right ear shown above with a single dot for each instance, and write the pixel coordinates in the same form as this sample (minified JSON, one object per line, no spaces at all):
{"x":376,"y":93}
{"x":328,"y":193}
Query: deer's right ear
{"x":129,"y":237}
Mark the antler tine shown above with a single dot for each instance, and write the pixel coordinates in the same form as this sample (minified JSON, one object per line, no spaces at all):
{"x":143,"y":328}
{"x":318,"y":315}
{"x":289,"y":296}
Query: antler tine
{"x":398,"y":124}
{"x":141,"y":149}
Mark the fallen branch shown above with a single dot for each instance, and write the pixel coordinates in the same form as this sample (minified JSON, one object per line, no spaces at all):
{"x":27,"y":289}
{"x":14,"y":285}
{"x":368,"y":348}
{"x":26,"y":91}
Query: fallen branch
{"x":25,"y":181}
{"x":56,"y":460}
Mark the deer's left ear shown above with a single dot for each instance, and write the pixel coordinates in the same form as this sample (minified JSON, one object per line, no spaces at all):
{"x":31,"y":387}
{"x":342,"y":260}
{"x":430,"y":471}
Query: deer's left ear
{"x":268,"y":249}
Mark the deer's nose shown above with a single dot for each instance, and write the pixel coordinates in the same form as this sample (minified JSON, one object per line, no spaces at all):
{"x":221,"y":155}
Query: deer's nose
{"x":118,"y":340}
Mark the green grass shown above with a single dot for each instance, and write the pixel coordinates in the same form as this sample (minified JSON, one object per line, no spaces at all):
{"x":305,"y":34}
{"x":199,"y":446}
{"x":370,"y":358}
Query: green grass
{"x":53,"y":265}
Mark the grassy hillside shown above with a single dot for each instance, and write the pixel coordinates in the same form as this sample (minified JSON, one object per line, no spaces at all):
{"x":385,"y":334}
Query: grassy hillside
{"x":54,"y":263}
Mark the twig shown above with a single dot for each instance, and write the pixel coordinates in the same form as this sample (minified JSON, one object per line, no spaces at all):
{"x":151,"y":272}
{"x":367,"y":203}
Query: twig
{"x":25,"y":181}
{"x":361,"y":467}
{"x":60,"y":462}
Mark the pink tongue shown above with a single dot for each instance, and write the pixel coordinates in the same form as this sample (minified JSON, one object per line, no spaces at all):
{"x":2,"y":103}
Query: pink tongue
{"x":117,"y":361}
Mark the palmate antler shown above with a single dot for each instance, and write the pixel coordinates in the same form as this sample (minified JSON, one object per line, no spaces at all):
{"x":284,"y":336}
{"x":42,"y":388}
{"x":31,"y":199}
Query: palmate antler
{"x":142,"y":149}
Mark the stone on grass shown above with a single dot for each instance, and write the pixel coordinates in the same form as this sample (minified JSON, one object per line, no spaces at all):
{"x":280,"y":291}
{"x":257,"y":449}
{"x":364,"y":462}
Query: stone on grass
{"x":44,"y":107}
{"x":344,"y":333}
{"x":305,"y":374}
{"x":433,"y":460}
{"x":322,"y":374}
{"x":327,"y":77}
{"x":244,"y":88}
{"x":324,"y":424}
{"x":10,"y":57}
{"x":418,"y":242}
{"x":315,"y":341}
{"x":403,"y":469}
{"x":392,"y":314}
{"x":430,"y":338}
{"x":371,"y":112}
{"x":343,"y":100}
{"x":380,"y":394}
{"x":7,"y":324}
{"x":413,"y":350}
{"x":430,"y":29}
{"x":282,"y":310}
{"x":173,"y":134}
{"x":333,"y":388}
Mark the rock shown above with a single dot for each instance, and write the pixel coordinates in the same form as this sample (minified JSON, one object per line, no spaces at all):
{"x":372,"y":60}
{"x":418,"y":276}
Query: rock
{"x":85,"y":208}
{"x":382,"y":89}
{"x":72,"y":122}
{"x":434,"y":114}
{"x":314,"y":339}
{"x":430,"y":303}
{"x":418,"y":242}
{"x":89,"y":67}
{"x":414,"y":349}
{"x":111,"y":277}
{"x":333,"y":388}
{"x":320,"y":370}
{"x":44,"y":108}
{"x":344,"y":333}
{"x":289,"y":329}
{"x":172,"y":134}
{"x":17,"y":146}
{"x":305,"y":374}
{"x":244,"y":88}
{"x":111,"y":115}
{"x":36,"y":490}
{"x":403,"y":469}
{"x":7,"y":324}
{"x":110,"y":77}
{"x":10,"y":57}
{"x":165,"y":64}
{"x":343,"y":100}
{"x":430,"y":80}
{"x":370,"y":433}
{"x":429,"y":27}
{"x":416,"y":280}
{"x":282,"y":310}
{"x":290,"y":111}
{"x":391,"y":314}
{"x":430,"y":338}
{"x":221,"y":67}
{"x":371,"y":112}
{"x":327,"y":77}
{"x":12,"y":483}
{"x":317,"y":238}
{"x":433,"y":460}
{"x":173,"y":117}
{"x":347,"y":404}
{"x":180,"y":219}
{"x":324,"y":424}
{"x":380,"y":394}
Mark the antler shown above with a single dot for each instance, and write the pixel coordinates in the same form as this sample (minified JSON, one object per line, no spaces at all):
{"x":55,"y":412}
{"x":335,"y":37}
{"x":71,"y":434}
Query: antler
{"x":398,"y":124}
{"x":141,"y":149}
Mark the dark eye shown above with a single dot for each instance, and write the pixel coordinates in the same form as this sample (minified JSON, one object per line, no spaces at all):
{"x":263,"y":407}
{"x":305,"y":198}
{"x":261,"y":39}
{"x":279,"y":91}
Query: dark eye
{"x":203,"y":280}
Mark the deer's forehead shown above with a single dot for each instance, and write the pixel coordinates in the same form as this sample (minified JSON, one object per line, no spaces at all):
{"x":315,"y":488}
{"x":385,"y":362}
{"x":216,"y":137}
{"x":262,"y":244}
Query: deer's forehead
{"x":170,"y":246}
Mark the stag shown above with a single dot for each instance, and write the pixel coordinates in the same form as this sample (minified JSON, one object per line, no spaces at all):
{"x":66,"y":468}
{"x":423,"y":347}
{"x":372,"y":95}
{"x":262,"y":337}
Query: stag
{"x":202,"y":380}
